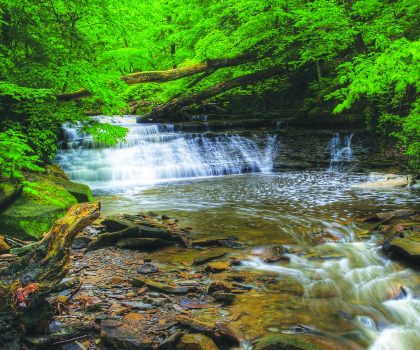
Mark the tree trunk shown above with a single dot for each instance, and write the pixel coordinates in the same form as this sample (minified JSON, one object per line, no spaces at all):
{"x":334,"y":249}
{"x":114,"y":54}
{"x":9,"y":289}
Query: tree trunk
{"x":176,"y":105}
{"x":168,"y":75}
{"x":26,"y":282}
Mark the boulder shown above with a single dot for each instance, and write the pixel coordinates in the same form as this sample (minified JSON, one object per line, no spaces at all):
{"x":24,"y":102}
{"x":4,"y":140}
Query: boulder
{"x":35,"y":210}
{"x":407,"y":247}
{"x":8,"y":191}
{"x":56,"y":176}
{"x":196,"y":341}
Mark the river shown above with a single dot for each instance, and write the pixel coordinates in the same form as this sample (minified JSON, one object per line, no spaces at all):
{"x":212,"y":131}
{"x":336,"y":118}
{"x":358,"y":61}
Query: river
{"x":224,"y":185}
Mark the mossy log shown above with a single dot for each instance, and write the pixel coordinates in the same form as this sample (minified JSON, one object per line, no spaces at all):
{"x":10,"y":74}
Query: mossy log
{"x":168,"y":75}
{"x":176,"y":105}
{"x":26,"y":282}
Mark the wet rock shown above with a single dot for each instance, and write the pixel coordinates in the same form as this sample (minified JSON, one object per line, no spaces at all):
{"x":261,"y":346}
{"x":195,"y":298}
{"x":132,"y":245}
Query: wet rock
{"x":218,"y":287}
{"x":226,"y":298}
{"x":142,"y":243}
{"x":208,"y":256}
{"x":217,"y":266}
{"x":4,"y":247}
{"x":407,"y":247}
{"x":165,"y":217}
{"x":398,"y":181}
{"x":386,"y":216}
{"x":67,"y":283}
{"x":125,"y":335}
{"x":325,"y":237}
{"x":114,"y":223}
{"x":196,"y":342}
{"x":188,"y":303}
{"x":162,"y":287}
{"x":81,"y":242}
{"x":147,"y":268}
{"x":276,"y":254}
{"x":155,"y":232}
{"x":196,"y":324}
{"x":138,"y":305}
{"x":285,"y":341}
{"x":230,"y":332}
{"x":133,"y":316}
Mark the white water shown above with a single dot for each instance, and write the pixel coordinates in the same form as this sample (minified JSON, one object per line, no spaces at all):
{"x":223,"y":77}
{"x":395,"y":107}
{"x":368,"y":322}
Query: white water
{"x":340,"y":150}
{"x":155,"y":153}
{"x":364,"y":284}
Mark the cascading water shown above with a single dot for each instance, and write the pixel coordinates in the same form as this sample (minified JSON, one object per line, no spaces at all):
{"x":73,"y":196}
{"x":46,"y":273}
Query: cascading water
{"x":340,"y":150}
{"x":356,"y":281}
{"x":155,"y":153}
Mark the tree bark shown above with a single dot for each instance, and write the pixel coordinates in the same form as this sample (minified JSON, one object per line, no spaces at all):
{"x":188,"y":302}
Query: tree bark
{"x":176,"y":105}
{"x":26,"y":282}
{"x":168,"y":75}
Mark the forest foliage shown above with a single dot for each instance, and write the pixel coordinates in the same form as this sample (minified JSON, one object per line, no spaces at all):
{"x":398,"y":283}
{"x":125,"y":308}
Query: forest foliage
{"x":361,"y":53}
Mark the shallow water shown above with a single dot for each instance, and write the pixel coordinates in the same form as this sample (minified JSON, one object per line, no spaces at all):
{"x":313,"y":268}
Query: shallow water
{"x":344,"y":290}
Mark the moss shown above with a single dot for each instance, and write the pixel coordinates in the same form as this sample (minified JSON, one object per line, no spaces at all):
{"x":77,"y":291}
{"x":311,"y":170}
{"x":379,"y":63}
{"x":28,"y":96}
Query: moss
{"x":35,"y":210}
{"x":8,"y":191}
{"x":286,"y":342}
{"x":56,"y":175}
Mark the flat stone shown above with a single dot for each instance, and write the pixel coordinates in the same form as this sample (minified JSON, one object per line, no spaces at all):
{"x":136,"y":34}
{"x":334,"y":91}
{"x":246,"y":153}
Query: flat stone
{"x":196,"y":342}
{"x":400,"y":181}
{"x":114,"y":223}
{"x":218,"y":266}
{"x":138,"y":305}
{"x":125,"y":334}
{"x":208,"y":256}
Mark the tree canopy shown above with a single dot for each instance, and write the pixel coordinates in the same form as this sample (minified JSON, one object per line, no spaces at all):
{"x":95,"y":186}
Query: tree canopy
{"x":361,"y":54}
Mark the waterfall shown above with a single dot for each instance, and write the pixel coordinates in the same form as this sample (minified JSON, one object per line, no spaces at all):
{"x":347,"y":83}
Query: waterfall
{"x":155,"y":152}
{"x":340,"y":151}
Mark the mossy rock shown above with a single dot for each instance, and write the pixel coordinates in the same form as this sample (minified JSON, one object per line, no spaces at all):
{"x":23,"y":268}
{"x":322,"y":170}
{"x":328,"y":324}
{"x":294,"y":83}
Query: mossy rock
{"x":35,"y":210}
{"x":286,"y":342}
{"x":408,"y":247}
{"x":8,"y":191}
{"x":56,"y":175}
{"x":196,"y":342}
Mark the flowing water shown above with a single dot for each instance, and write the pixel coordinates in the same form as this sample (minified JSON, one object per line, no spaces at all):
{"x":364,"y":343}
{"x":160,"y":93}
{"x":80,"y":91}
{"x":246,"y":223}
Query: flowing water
{"x":345,"y":290}
{"x":340,"y":151}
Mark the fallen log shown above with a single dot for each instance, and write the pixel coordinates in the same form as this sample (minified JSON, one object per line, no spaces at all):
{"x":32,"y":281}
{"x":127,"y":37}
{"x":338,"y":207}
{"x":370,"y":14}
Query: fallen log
{"x":176,"y":105}
{"x":26,"y":282}
{"x":167,"y":75}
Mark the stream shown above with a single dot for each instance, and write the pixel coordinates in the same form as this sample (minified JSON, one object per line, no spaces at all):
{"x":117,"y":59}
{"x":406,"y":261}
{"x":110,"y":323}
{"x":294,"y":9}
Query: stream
{"x":224,"y":185}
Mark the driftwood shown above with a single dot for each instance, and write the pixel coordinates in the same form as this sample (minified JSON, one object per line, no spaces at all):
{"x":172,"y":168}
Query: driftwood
{"x":26,"y":282}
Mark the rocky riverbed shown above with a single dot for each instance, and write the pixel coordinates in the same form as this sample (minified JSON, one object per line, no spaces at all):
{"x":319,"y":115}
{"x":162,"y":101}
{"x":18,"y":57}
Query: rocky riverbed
{"x":143,"y":282}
